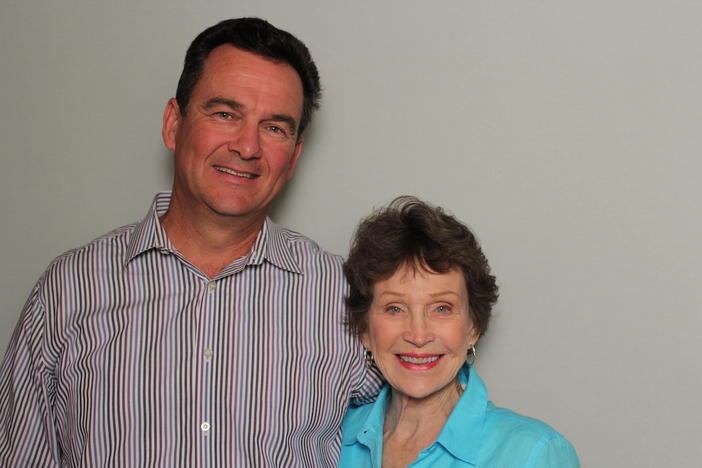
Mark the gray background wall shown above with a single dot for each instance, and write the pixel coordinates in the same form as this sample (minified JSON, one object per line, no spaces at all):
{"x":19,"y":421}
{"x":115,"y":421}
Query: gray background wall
{"x":567,"y":134}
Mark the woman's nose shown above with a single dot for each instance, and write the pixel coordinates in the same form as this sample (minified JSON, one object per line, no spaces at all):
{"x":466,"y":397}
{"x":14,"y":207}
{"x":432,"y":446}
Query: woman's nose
{"x":419,"y":332}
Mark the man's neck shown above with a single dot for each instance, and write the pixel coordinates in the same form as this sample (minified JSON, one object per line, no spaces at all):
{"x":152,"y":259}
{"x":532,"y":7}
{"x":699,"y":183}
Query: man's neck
{"x":210,"y":241}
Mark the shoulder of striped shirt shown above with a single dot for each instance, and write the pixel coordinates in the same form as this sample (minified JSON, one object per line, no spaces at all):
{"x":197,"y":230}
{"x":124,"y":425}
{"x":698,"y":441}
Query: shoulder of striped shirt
{"x":309,"y":246}
{"x":120,"y":235}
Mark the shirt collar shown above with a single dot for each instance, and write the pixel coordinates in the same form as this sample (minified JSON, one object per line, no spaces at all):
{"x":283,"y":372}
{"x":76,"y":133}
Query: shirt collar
{"x":463,"y":431}
{"x":272,"y":243}
{"x":369,"y":422}
{"x":148,"y":233}
{"x":461,"y":435}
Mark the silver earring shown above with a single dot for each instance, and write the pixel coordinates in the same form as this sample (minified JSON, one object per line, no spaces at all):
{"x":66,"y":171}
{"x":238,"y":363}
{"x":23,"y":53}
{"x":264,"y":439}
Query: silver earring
{"x":470,"y":359}
{"x":368,"y":356}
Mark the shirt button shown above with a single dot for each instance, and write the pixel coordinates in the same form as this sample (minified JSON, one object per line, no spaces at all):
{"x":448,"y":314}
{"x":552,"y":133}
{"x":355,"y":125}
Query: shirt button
{"x":207,"y":352}
{"x":211,"y":285}
{"x":205,"y":426}
{"x":164,"y":251}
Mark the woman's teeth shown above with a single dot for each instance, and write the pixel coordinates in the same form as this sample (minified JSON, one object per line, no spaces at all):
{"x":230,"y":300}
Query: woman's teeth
{"x":418,"y":360}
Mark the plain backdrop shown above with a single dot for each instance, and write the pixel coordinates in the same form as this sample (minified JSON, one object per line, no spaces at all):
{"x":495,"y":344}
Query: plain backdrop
{"x":567,"y":134}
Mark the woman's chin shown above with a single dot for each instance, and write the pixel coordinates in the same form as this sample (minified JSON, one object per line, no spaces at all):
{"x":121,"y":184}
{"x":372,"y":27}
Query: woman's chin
{"x":423,"y":390}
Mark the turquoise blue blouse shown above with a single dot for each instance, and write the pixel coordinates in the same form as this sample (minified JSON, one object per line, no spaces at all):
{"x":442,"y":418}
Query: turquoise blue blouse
{"x":477,"y":433}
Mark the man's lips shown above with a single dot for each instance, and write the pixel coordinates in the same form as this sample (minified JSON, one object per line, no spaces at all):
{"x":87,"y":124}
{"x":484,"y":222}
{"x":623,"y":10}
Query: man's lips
{"x":413,"y":361}
{"x":227,"y":170}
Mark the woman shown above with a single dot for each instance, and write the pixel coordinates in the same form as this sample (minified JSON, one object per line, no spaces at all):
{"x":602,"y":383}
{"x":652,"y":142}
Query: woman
{"x":420,"y":298}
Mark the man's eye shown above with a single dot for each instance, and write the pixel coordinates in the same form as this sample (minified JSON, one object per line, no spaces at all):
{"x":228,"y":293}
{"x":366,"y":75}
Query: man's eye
{"x":276,"y":129}
{"x":224,"y":115}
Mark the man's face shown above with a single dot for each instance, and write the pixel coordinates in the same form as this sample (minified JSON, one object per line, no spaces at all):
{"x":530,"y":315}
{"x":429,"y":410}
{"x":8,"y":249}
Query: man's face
{"x":237,"y":145}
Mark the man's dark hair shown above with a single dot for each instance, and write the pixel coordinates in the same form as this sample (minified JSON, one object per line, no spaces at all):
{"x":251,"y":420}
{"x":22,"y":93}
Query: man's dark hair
{"x":411,"y":232}
{"x":261,"y":38}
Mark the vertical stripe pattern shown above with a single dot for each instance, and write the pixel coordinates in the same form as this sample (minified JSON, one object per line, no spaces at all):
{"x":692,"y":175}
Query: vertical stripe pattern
{"x":126,"y":355}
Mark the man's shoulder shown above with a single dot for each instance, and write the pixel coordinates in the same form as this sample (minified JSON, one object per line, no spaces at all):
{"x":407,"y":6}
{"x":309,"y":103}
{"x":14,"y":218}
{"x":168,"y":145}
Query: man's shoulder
{"x":306,"y":249}
{"x":108,"y":245}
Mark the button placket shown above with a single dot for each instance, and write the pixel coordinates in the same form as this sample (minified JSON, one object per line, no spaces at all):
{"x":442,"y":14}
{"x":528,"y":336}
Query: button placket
{"x":206,"y":355}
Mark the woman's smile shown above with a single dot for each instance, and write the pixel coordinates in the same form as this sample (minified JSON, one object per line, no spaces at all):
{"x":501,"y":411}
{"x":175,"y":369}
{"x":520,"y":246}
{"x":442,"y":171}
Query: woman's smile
{"x":419,"y":362}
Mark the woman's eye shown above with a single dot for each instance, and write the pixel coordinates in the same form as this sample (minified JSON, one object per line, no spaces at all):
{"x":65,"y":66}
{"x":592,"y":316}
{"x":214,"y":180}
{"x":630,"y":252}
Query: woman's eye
{"x":394,"y":309}
{"x":443,"y":309}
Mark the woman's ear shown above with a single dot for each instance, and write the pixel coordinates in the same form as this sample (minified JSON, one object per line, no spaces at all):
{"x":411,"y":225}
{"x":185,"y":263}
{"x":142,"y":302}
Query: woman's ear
{"x":473,"y":337}
{"x":366,"y":341}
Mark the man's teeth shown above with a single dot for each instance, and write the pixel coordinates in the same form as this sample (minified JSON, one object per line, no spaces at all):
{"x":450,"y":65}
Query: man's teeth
{"x":418,"y":360}
{"x":233,"y":172}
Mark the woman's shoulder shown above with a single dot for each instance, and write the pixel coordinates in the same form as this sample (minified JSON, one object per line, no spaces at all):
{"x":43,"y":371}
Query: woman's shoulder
{"x":508,"y":421}
{"x":511,"y":434}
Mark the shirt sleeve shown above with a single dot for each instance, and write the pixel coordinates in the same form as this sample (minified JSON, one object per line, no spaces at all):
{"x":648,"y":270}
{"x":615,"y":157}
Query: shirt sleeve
{"x":553,"y":451}
{"x":27,"y":433}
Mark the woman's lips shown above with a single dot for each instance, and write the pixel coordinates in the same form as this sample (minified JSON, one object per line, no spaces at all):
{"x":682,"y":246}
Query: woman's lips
{"x":419,"y":362}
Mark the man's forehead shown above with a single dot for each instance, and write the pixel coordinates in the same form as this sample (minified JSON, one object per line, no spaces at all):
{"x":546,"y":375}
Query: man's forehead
{"x":228,"y":65}
{"x":227,"y":56}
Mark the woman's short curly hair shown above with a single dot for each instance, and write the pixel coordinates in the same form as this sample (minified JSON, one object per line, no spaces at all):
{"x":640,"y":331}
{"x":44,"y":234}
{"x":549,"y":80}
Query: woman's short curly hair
{"x":411,"y":232}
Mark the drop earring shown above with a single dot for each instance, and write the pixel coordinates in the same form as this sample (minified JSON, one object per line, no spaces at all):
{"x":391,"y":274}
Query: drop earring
{"x":470,"y":358}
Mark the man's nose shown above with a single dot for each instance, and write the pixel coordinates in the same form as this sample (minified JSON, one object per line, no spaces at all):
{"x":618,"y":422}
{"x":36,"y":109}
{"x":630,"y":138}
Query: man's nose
{"x":245,"y":141}
{"x":419,"y":331}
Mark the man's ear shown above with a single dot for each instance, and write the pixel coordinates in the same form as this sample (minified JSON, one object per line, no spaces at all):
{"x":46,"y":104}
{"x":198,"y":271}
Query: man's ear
{"x":295,"y":157}
{"x":171,"y":122}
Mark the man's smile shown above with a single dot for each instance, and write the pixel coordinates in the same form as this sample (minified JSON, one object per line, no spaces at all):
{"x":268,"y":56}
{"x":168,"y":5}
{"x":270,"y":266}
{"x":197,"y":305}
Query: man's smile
{"x":227,"y":170}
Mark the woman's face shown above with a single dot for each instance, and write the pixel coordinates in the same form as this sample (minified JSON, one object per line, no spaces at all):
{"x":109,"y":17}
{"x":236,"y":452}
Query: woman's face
{"x":419,"y":329}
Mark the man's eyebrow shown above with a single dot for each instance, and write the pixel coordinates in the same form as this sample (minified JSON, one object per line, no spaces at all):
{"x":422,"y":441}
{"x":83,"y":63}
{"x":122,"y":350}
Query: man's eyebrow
{"x":220,"y":101}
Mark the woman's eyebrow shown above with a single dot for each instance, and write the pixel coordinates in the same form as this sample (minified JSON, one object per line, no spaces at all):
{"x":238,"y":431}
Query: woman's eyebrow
{"x":444,"y":293}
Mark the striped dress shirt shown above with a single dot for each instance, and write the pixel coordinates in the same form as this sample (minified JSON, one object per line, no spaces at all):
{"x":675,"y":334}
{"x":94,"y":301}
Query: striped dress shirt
{"x":126,"y":355}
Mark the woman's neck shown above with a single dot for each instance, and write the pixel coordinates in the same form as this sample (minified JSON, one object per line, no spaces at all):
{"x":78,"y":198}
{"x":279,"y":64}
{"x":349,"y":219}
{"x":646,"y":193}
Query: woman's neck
{"x":412,"y":424}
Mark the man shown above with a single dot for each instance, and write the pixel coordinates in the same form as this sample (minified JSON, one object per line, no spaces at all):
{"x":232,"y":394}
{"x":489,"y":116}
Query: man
{"x":205,"y":334}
